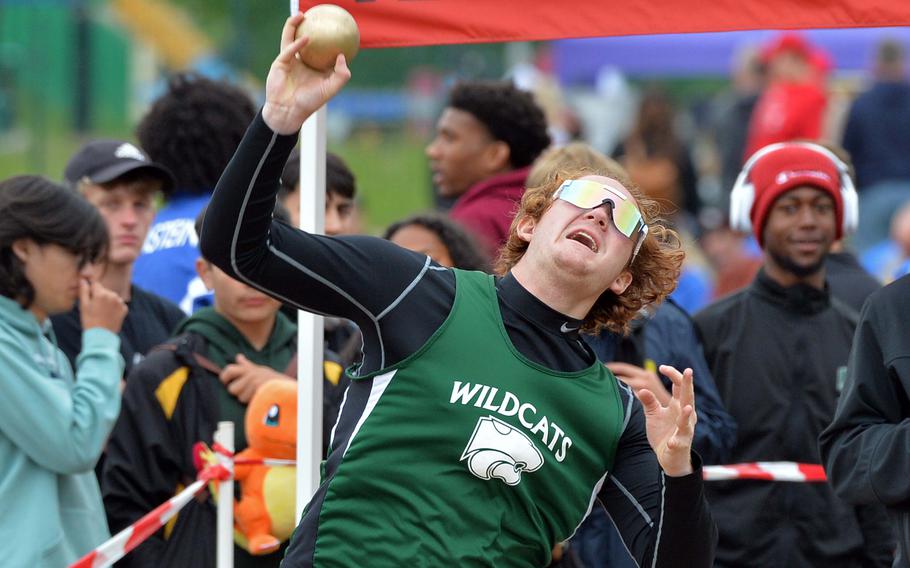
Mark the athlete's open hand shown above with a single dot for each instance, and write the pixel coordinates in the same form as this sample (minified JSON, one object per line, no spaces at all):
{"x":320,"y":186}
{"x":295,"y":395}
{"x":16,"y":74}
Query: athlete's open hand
{"x":638,"y":378}
{"x":294,"y":91}
{"x":671,"y":427}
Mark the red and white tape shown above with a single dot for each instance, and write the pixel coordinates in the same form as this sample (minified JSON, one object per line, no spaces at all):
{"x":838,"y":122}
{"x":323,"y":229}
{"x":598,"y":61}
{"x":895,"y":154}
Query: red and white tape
{"x":271,"y":462}
{"x":132,"y":536}
{"x":767,"y":471}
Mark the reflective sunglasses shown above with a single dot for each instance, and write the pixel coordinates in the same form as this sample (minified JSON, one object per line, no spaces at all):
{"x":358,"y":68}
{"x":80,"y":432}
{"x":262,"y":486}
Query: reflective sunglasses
{"x":588,"y":194}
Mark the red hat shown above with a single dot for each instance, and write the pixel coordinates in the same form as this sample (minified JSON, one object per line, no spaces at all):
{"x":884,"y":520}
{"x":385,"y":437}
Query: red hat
{"x":787,"y":42}
{"x":788,"y":167}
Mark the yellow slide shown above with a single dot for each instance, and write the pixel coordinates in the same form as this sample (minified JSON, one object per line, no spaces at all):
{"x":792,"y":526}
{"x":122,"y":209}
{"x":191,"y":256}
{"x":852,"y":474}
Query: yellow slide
{"x":167,"y":28}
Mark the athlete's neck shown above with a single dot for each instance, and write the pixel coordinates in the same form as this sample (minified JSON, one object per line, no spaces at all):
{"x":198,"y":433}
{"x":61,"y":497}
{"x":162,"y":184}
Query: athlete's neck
{"x":531,"y":308}
{"x":554,"y":292}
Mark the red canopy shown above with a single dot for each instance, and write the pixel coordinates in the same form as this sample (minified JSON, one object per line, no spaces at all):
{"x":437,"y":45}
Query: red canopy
{"x":399,"y":23}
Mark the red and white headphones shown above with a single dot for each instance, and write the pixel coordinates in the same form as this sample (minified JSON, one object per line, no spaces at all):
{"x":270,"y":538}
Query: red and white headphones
{"x":742,"y":196}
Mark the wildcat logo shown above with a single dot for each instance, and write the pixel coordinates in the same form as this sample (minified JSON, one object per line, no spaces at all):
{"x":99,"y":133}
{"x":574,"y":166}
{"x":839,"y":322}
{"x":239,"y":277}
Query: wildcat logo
{"x":499,"y":451}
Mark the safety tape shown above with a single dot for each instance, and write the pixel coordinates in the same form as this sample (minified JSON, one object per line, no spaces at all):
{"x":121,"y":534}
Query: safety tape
{"x":134,"y":535}
{"x":767,"y":471}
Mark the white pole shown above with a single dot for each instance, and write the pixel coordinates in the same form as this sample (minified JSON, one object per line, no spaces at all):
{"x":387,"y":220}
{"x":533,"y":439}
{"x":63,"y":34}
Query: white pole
{"x":309,"y":326}
{"x":224,"y":435}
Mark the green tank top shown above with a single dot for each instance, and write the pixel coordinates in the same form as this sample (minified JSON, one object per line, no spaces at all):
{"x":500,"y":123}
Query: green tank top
{"x":469,"y":454}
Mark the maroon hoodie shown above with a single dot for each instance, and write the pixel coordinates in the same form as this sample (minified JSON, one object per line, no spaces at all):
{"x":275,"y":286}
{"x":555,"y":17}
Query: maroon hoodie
{"x":487,"y":208}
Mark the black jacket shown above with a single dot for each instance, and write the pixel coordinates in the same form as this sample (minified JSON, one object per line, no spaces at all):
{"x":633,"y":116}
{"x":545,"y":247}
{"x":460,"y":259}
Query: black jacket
{"x":848,"y":281}
{"x":776,"y":354}
{"x":866,"y":449}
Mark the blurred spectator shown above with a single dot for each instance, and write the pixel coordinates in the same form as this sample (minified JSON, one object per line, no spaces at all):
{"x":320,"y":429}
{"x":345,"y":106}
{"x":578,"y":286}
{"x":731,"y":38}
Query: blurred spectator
{"x":793,"y":105}
{"x":210,"y":370}
{"x":885,"y":259}
{"x":192,"y":130}
{"x":120,"y":181}
{"x":732,"y":112}
{"x":609,"y":112}
{"x":536,"y":76}
{"x":423,"y":88}
{"x":658,"y":160}
{"x":847,"y":280}
{"x":695,"y":287}
{"x":665,"y":335}
{"x":877,"y":136}
{"x":573,"y":155}
{"x":778,"y":352}
{"x":486,"y":139}
{"x":53,"y":425}
{"x":441,"y":239}
{"x":735,"y":258}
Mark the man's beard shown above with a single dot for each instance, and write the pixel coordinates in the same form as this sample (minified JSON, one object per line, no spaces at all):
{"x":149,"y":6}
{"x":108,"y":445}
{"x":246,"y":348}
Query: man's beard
{"x":798,"y":270}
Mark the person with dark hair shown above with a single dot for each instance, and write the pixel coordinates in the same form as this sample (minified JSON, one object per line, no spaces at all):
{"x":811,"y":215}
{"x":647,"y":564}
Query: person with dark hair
{"x":212,"y":366}
{"x":729,"y":115}
{"x":191,"y":130}
{"x":479,"y":430}
{"x":53,"y":422}
{"x":658,"y":159}
{"x":441,"y":239}
{"x":122,"y":183}
{"x":340,"y":193}
{"x":778,"y":352}
{"x":486,"y":140}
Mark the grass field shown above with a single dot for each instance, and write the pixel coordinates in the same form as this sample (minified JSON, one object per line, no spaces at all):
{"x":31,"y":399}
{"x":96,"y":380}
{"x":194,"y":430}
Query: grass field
{"x":392,"y":175}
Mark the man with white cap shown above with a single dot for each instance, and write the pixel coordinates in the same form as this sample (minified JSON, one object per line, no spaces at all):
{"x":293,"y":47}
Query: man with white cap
{"x":778,"y":351}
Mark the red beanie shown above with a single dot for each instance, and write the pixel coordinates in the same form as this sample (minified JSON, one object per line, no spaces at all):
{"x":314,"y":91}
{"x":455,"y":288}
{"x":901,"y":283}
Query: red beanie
{"x":789,"y":167}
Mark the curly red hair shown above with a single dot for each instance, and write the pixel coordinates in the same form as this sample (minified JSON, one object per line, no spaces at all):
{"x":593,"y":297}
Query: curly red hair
{"x":655,"y":270}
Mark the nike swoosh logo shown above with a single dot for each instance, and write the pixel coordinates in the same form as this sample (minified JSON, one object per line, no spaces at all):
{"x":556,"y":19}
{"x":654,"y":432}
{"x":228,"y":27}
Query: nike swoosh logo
{"x":566,"y":329}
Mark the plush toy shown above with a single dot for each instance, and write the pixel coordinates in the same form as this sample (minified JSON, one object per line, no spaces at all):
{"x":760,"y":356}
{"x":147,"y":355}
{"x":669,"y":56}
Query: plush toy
{"x":264,"y":516}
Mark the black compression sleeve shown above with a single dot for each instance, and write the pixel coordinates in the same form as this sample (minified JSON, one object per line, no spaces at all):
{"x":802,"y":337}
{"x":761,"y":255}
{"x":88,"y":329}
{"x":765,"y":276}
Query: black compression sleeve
{"x":396,"y":297}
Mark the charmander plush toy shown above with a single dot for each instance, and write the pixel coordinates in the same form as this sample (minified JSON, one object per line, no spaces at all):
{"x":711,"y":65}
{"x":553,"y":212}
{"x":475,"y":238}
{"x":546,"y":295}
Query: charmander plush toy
{"x":264,"y":515}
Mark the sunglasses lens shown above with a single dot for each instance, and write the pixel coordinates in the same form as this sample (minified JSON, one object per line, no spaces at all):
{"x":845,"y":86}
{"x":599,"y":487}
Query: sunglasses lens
{"x":584,"y":194}
{"x":589,"y":194}
{"x":627,"y":218}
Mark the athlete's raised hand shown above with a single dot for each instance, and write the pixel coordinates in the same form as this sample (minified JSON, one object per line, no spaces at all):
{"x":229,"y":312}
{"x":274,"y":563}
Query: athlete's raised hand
{"x":671,"y":427}
{"x":294,"y":91}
